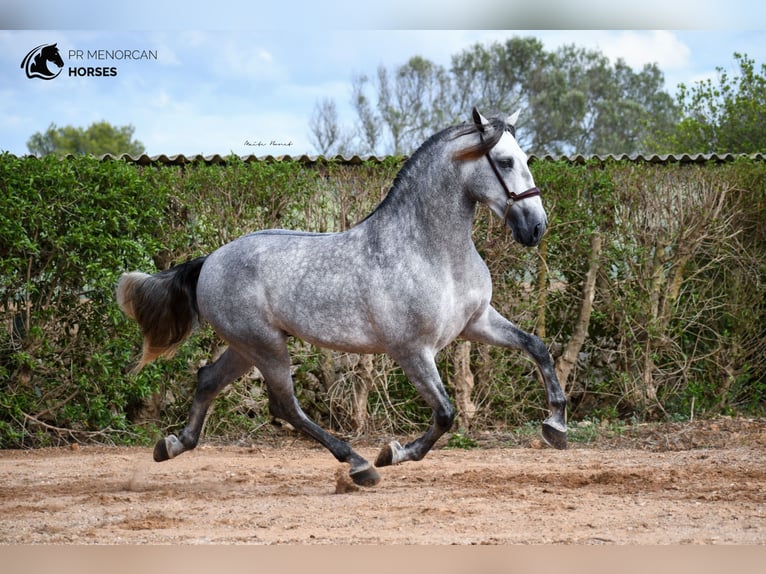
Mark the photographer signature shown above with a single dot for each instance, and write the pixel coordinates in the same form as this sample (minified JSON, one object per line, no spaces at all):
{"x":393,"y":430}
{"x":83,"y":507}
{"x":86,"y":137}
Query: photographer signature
{"x":271,"y":143}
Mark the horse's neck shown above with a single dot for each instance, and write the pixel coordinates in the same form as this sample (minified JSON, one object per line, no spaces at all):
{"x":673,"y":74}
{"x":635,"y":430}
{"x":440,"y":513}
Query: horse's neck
{"x":430,"y":213}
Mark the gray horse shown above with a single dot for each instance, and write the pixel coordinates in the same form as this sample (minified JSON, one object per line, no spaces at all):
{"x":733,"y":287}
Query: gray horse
{"x":405,"y":281}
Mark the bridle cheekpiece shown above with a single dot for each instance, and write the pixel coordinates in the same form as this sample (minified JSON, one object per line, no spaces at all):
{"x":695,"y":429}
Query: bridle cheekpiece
{"x":512,"y":197}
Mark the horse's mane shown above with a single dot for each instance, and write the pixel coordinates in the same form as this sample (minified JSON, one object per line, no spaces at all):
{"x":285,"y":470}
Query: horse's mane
{"x":489,"y":139}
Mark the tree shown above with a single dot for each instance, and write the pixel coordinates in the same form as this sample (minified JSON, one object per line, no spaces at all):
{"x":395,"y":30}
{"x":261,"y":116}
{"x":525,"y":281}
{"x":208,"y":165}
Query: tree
{"x":409,"y":102}
{"x":500,"y":78}
{"x":326,"y":134}
{"x":572,"y":100}
{"x":637,"y":107}
{"x":369,"y":126}
{"x":727,"y":116}
{"x":98,"y":139}
{"x":582,"y":103}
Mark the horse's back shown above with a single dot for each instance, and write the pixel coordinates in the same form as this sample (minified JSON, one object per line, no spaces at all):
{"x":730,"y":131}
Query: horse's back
{"x":315,"y":286}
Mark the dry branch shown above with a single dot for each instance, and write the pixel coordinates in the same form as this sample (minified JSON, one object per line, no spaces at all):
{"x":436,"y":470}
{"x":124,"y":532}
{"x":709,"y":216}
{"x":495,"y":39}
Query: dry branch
{"x":463,"y":383}
{"x":568,"y":359}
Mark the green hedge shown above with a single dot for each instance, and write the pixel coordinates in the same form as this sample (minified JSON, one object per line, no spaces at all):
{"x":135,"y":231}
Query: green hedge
{"x":677,"y":325}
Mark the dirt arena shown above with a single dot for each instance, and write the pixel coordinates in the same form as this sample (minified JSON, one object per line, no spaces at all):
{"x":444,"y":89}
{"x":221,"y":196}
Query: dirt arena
{"x":701,"y":483}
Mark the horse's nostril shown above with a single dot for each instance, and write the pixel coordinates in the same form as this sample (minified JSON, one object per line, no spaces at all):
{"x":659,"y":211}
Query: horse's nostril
{"x":537,"y":232}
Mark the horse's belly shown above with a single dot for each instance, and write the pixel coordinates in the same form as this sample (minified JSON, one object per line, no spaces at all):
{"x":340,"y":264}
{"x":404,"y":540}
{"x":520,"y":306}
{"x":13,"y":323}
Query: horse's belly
{"x":263,"y":284}
{"x":338,"y":323}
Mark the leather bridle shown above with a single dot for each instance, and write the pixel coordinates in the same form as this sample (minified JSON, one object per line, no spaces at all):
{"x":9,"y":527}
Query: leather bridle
{"x":512,"y":197}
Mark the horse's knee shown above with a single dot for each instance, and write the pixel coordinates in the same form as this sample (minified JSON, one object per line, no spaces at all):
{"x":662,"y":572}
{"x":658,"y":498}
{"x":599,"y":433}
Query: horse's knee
{"x":284,"y":408}
{"x":212,"y":378}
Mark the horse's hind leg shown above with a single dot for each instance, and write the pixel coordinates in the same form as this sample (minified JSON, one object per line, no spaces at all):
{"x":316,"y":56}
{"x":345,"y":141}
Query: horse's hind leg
{"x":275,"y":368}
{"x":422,"y":372}
{"x":211,"y":379}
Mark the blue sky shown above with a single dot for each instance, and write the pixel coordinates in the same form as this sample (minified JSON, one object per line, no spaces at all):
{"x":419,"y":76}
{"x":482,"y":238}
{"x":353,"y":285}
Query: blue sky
{"x":253,"y":72}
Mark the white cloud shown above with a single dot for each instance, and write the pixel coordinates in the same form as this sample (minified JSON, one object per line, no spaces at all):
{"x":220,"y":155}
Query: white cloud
{"x":638,"y":48}
{"x":238,"y":59}
{"x":635,"y":47}
{"x":264,"y":56}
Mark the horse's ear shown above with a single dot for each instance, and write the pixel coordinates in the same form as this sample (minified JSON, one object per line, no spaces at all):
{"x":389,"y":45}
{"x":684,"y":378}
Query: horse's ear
{"x":481,"y":122}
{"x":513,"y":118}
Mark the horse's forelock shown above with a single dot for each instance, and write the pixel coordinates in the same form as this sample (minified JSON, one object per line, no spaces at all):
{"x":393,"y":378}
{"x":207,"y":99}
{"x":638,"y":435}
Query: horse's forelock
{"x":486,"y":143}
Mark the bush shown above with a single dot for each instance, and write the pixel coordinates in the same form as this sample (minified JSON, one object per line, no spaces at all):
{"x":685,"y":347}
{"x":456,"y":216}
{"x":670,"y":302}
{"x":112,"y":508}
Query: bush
{"x":676,"y":324}
{"x":68,"y":228}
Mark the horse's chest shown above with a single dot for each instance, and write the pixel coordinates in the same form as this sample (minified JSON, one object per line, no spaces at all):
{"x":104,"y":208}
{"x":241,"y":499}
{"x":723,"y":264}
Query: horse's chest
{"x":449,"y":310}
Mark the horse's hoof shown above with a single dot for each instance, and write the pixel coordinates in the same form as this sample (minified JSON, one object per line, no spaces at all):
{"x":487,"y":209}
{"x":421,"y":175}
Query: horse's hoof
{"x":388,"y":454}
{"x":554,"y":437}
{"x":161,"y":451}
{"x":367,"y":476}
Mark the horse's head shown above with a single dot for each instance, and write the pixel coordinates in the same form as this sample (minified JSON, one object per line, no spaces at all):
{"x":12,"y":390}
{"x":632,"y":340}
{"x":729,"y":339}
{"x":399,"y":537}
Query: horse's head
{"x":497,"y":175}
{"x":35,"y":63}
{"x":51,"y":54}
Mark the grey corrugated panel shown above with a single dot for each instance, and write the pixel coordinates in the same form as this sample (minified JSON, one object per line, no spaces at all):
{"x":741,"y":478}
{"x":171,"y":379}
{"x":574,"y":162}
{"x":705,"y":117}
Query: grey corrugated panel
{"x":217,"y":159}
{"x":181,"y":159}
{"x":650,"y":158}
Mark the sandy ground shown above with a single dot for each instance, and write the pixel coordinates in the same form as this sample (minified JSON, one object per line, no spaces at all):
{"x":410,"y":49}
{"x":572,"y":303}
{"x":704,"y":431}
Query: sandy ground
{"x":707,"y":487}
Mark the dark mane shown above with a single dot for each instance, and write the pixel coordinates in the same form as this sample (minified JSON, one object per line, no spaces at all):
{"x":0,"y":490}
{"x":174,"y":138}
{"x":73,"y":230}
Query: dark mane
{"x":423,"y":150}
{"x":490,"y":136}
{"x":486,"y":143}
{"x":409,"y":166}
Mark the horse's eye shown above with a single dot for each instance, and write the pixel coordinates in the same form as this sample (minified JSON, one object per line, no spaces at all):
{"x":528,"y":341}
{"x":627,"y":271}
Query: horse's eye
{"x":505,"y":163}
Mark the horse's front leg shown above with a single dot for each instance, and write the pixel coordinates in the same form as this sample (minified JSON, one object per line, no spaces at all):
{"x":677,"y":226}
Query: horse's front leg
{"x":421,"y":370}
{"x":492,"y":328}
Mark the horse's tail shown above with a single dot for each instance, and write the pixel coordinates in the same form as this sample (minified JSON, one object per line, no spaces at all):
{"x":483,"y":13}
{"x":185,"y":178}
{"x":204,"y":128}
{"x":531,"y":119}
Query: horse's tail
{"x":164,"y":305}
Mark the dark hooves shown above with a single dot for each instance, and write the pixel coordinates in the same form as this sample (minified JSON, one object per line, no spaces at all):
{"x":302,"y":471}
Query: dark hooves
{"x":161,"y":451}
{"x":554,"y":437}
{"x":366,"y":477}
{"x":385,"y":456}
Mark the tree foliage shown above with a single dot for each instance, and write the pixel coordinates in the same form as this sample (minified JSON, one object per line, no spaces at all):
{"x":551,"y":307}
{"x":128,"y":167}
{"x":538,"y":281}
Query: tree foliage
{"x":98,"y":139}
{"x":573,"y":100}
{"x":584,"y":104}
{"x":726,"y":115}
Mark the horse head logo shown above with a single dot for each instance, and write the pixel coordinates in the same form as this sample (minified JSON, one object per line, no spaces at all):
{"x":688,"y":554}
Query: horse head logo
{"x":35,"y":63}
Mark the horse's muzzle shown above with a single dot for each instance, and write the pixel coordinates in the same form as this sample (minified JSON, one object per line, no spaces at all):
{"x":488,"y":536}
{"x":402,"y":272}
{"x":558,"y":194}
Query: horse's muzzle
{"x":532,"y":237}
{"x":527,"y":228}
